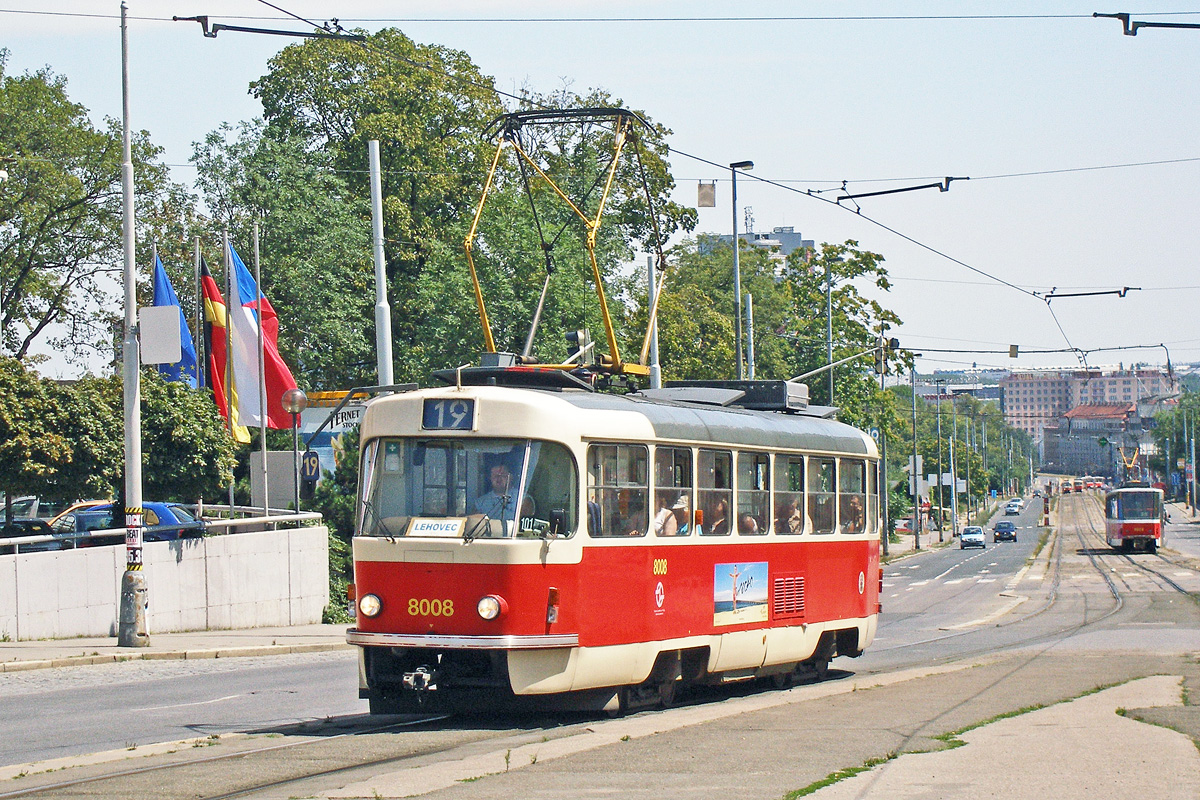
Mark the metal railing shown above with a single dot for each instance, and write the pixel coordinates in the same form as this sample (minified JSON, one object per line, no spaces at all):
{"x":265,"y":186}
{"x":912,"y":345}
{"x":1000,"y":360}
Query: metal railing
{"x":229,"y":527}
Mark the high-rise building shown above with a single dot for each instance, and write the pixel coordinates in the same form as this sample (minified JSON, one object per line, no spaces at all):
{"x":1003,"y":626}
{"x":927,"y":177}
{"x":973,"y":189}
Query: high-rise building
{"x":1035,"y":399}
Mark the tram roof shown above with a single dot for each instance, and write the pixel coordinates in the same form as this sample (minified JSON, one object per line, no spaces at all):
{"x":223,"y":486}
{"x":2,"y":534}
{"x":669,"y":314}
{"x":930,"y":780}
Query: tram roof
{"x":698,"y":422}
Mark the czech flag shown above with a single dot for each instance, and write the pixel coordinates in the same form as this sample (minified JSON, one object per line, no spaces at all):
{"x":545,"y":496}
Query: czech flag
{"x":164,"y":295}
{"x":254,"y":309}
{"x":215,"y":322}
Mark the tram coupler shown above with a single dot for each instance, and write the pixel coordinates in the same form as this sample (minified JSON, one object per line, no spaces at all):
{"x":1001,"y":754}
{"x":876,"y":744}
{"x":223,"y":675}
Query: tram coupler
{"x":419,"y":680}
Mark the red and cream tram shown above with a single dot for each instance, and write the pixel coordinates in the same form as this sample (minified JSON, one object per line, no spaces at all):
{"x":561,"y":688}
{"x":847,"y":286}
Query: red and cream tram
{"x":560,"y":547}
{"x":1133,"y":517}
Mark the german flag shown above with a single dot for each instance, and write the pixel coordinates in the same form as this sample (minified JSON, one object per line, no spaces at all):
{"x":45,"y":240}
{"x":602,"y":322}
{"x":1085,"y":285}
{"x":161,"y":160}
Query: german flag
{"x":215,"y":321}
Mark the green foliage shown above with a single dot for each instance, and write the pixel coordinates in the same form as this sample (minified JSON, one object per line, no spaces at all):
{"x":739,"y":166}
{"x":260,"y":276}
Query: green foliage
{"x":60,"y":216}
{"x":334,"y":498}
{"x":66,"y":442}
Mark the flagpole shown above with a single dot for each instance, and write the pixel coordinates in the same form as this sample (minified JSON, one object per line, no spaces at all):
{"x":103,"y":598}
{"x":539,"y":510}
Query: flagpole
{"x":200,"y":383}
{"x":228,"y":349}
{"x":262,"y":377}
{"x":132,"y":630}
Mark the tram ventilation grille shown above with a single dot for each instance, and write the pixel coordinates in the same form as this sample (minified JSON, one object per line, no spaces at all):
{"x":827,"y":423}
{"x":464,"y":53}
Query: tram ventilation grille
{"x":789,"y":596}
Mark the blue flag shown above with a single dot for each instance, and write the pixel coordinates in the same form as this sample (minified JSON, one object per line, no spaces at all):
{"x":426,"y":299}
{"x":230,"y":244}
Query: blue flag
{"x":164,"y":295}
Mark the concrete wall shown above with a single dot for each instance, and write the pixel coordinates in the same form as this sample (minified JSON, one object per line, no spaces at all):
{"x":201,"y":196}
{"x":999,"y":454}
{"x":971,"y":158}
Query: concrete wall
{"x":242,"y":580}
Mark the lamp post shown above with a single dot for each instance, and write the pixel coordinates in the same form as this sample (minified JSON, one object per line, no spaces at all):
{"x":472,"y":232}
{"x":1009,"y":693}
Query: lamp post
{"x":132,"y":628}
{"x":938,"y":383}
{"x":737,"y":265}
{"x":295,"y":401}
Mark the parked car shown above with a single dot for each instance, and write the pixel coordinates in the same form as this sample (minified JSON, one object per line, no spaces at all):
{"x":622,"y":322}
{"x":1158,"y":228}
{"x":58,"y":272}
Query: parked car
{"x":972,"y":536}
{"x":164,"y":522}
{"x":32,"y":507}
{"x":27,"y":527}
{"x":1004,"y":531}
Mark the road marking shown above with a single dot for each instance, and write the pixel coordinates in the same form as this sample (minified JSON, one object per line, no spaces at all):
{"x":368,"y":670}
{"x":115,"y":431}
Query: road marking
{"x":919,"y":583}
{"x":953,"y":582}
{"x":986,"y":580}
{"x":188,"y":705}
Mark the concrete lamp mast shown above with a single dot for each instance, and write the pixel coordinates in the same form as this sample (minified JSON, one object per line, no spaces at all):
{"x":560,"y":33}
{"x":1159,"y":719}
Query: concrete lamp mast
{"x":737,"y":263}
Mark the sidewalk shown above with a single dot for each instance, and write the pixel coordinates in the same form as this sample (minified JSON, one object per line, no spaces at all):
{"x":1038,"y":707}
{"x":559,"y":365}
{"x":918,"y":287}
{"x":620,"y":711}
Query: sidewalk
{"x":45,"y":653}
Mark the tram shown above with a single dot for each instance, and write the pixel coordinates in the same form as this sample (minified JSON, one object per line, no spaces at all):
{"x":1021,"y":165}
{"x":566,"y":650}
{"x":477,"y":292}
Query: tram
{"x":1133,"y":518}
{"x":524,"y":541}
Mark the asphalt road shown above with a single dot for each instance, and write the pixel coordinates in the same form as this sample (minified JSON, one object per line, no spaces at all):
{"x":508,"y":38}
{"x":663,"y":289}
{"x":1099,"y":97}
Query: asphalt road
{"x":984,"y":632}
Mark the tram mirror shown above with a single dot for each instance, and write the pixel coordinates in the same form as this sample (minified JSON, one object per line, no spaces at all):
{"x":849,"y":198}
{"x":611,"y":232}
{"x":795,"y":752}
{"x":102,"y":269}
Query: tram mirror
{"x":558,"y":522}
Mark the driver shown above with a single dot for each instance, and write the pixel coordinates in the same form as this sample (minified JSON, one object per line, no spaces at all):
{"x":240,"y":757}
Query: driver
{"x":501,"y":502}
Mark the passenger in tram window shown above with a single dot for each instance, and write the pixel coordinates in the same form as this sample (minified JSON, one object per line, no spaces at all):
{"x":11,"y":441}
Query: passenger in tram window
{"x":789,"y":519}
{"x":500,"y":502}
{"x":719,"y":518}
{"x":747,"y":524}
{"x":853,"y":511}
{"x":673,"y":517}
{"x":593,"y":518}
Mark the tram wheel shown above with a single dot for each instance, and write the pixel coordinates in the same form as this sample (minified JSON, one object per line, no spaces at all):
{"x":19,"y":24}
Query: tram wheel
{"x":1151,"y":547}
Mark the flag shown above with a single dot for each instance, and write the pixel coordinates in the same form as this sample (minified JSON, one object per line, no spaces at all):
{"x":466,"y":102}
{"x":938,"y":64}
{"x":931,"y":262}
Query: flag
{"x":215,"y":320}
{"x":164,"y":295}
{"x":253,"y":308}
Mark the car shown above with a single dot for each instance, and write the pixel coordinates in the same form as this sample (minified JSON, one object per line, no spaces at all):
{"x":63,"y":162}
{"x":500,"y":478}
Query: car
{"x":972,"y":536}
{"x":1012,"y":508}
{"x":27,"y":527}
{"x":164,"y":522}
{"x":1004,"y":531}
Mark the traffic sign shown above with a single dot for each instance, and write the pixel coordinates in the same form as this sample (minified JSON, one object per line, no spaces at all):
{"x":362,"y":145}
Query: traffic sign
{"x":310,"y":466}
{"x":874,"y":434}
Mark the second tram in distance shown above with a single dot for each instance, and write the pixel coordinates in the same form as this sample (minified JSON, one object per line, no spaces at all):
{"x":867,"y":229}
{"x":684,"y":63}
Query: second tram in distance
{"x":1133,"y":518}
{"x":557,"y":547}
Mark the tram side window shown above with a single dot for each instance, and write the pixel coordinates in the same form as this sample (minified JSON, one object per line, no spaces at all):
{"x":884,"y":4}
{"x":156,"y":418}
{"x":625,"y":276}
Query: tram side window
{"x":753,"y":493}
{"x":674,"y":497}
{"x":821,"y":494}
{"x":715,"y":496}
{"x":852,"y":495}
{"x":872,"y":496}
{"x":789,"y":494}
{"x":618,"y":490}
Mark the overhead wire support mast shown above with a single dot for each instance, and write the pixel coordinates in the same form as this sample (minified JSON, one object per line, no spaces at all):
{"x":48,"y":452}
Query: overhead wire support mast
{"x":941,"y":186}
{"x":332,"y":30}
{"x":1131,"y":26}
{"x":1055,"y":293}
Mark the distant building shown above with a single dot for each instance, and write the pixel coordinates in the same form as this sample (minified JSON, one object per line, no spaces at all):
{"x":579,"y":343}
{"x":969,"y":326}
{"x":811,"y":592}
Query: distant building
{"x":1034,"y":400}
{"x":1084,"y":440}
{"x":781,"y":241}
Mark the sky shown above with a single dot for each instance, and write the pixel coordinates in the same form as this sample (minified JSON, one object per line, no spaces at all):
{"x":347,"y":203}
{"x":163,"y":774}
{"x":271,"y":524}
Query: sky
{"x":1080,"y":143}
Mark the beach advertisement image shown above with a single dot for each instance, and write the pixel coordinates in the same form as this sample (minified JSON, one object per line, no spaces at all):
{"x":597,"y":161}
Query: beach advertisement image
{"x":740,"y":593}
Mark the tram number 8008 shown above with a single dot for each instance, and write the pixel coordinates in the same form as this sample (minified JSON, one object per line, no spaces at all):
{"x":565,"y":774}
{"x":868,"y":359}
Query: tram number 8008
{"x":430,"y":608}
{"x":660,"y":566}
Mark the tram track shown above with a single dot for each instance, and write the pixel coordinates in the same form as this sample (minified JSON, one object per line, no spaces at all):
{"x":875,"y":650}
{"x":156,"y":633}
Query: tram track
{"x":1093,"y":518}
{"x":169,"y":775}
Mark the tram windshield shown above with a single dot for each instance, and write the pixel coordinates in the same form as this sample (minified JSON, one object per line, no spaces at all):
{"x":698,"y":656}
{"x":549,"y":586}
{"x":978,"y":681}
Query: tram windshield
{"x":468,"y":488}
{"x":1134,"y":505}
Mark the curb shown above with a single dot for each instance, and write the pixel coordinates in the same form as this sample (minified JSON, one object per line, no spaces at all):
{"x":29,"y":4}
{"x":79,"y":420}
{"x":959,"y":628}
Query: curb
{"x":171,"y":655}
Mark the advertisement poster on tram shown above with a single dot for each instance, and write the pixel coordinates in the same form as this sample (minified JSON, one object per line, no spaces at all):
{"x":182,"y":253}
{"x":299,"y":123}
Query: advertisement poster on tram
{"x":739,"y":593}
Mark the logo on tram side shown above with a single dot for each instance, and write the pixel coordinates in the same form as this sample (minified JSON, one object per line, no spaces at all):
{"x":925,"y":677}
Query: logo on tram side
{"x":740,"y":593}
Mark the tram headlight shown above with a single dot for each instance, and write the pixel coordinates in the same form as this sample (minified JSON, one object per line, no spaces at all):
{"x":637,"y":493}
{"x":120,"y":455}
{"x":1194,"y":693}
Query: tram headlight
{"x":491,"y":606}
{"x":370,"y":605}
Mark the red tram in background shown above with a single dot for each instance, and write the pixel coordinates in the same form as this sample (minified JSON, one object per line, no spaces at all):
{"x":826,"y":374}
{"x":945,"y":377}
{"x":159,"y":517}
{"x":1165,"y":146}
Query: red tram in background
{"x":1133,"y":518}
{"x":523,"y":541}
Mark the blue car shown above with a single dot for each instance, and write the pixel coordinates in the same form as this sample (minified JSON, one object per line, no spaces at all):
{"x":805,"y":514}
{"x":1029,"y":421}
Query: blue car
{"x":164,"y":522}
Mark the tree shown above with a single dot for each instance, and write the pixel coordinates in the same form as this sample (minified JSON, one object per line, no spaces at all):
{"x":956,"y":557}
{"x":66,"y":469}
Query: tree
{"x":60,"y":216}
{"x":29,"y":447}
{"x":315,"y":247}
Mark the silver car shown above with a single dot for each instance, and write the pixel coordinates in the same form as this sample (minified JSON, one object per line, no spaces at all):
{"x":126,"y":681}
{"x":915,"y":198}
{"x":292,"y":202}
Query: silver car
{"x":972,"y":536}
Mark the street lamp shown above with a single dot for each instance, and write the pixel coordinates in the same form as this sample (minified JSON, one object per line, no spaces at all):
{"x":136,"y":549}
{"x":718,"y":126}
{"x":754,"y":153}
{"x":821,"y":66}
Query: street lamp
{"x":295,"y":401}
{"x":737,"y":266}
{"x":938,"y":384}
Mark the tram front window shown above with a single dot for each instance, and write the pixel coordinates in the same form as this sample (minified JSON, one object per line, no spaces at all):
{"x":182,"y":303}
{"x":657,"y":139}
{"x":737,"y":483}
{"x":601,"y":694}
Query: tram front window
{"x":472,"y":488}
{"x":1135,"y":505}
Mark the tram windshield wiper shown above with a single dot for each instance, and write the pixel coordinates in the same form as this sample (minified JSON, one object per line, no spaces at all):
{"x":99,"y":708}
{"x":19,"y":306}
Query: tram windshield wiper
{"x":472,"y":530}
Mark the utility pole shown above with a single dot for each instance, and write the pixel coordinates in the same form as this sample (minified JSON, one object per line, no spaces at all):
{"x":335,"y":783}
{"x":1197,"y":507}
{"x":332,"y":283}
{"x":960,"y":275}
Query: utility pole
{"x":132,"y":630}
{"x":915,"y":473}
{"x":829,"y":323}
{"x":938,"y":385}
{"x":883,"y":485}
{"x":954,"y":469}
{"x":737,"y":264}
